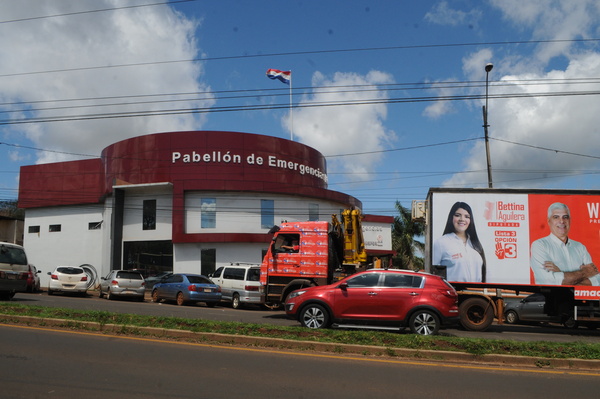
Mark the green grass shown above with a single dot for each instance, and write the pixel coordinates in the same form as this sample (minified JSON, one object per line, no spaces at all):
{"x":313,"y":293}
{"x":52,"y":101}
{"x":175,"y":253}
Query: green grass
{"x":386,"y":340}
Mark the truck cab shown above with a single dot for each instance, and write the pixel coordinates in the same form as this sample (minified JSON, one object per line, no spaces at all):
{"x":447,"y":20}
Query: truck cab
{"x":297,"y":257}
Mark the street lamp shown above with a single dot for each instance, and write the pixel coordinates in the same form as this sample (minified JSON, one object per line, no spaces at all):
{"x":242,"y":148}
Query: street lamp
{"x":488,"y":68}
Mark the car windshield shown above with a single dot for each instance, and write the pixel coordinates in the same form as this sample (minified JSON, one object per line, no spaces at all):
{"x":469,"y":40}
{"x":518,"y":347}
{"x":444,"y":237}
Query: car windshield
{"x":69,"y":270}
{"x":198,"y":280}
{"x":12,"y":255}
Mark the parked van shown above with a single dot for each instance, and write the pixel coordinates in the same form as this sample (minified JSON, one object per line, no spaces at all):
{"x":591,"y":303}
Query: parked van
{"x":14,"y":270}
{"x":240,"y":284}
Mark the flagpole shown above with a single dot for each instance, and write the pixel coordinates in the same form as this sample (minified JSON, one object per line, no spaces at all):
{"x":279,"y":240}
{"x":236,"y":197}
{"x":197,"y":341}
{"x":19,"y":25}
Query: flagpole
{"x":291,"y":111}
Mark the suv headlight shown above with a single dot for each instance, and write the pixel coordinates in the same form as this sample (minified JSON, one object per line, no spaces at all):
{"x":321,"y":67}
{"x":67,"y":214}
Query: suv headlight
{"x":296,"y":293}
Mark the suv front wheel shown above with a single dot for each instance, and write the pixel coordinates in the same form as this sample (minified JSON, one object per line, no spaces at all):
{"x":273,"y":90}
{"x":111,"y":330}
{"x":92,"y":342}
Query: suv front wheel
{"x":314,"y":316}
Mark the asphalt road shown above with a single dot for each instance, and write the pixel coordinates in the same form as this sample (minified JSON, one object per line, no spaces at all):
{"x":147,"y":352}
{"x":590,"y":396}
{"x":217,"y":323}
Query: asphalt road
{"x":37,"y":362}
{"x":260,"y":315}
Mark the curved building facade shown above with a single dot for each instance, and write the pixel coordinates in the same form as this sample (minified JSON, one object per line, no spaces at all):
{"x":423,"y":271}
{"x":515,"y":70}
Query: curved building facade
{"x":182,"y":201}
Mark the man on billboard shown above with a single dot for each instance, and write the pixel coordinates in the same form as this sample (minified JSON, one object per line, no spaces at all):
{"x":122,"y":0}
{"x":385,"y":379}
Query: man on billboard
{"x":558,"y":260}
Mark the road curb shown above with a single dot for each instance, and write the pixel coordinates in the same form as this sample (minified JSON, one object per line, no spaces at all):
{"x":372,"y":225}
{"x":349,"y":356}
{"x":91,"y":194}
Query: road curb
{"x":310,"y":346}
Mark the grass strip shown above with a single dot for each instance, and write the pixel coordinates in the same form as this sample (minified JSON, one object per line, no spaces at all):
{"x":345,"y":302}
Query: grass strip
{"x":545,"y":349}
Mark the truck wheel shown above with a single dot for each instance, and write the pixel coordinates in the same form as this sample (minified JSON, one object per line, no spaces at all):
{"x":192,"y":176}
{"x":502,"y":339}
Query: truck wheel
{"x":511,"y":317}
{"x":476,"y":314}
{"x":424,"y":322}
{"x":235,"y":301}
{"x":570,"y":322}
{"x":314,"y":316}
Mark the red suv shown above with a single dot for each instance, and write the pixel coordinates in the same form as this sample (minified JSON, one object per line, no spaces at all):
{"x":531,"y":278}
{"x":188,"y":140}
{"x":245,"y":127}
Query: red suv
{"x":378,"y":298}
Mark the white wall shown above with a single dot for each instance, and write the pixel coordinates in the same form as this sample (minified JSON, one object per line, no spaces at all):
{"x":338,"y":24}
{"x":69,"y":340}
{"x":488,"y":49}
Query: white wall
{"x":187,"y":256}
{"x":132,"y":218}
{"x":74,"y":245}
{"x":241,"y":212}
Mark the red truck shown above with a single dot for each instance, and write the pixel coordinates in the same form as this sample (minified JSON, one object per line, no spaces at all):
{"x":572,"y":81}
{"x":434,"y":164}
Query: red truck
{"x":304,"y":254}
{"x":490,"y":242}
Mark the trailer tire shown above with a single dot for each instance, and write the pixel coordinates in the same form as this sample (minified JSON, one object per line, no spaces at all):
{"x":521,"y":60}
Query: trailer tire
{"x":476,"y":314}
{"x":570,"y":323}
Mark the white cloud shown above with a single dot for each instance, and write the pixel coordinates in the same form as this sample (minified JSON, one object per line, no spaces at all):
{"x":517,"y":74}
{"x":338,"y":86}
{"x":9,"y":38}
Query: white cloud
{"x":345,"y":129}
{"x":473,"y":66}
{"x":17,"y":156}
{"x":522,"y":129}
{"x":442,"y":14}
{"x":142,"y":35}
{"x":565,"y":123}
{"x":553,"y":20}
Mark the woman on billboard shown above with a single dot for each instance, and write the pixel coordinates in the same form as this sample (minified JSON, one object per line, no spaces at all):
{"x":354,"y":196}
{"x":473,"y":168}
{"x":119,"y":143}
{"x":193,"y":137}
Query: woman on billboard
{"x":459,"y":251}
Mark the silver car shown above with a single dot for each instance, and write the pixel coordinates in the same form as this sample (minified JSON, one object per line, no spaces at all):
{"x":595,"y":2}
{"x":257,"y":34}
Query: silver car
{"x":122,"y":283}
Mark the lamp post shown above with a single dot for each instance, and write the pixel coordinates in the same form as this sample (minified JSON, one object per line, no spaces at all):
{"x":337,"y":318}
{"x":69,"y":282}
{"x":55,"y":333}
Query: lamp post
{"x":488,"y":68}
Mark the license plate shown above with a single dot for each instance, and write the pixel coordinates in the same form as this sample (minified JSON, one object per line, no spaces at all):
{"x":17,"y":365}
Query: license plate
{"x":207,"y":290}
{"x":12,"y":276}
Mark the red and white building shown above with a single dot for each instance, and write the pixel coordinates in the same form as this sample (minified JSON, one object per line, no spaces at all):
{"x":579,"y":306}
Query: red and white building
{"x":181,"y":201}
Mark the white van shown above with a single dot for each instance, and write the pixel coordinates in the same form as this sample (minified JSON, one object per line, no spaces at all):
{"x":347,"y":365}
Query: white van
{"x":240,"y":284}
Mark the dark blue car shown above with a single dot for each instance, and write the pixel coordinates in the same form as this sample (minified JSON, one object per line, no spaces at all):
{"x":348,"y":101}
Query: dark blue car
{"x":187,"y":288}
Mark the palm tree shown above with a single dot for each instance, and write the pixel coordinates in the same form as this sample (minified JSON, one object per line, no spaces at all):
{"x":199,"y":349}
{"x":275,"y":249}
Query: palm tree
{"x":408,"y":250}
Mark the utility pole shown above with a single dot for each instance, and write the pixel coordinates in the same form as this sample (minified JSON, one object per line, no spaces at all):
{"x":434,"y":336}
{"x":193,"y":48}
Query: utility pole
{"x":488,"y":68}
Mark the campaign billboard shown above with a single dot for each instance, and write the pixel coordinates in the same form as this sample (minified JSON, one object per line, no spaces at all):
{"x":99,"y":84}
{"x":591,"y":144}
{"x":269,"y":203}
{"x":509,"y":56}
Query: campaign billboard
{"x":518,"y":238}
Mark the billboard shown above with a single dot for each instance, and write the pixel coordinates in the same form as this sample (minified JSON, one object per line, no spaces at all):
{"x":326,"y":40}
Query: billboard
{"x":518,"y":238}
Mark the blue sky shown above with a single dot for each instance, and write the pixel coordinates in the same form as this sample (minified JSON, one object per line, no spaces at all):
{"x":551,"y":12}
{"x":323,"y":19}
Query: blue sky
{"x":415,"y":68}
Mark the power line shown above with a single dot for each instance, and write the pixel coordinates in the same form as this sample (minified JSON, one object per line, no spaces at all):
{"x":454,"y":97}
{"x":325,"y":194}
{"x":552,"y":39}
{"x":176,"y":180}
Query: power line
{"x":256,"y":93}
{"x":210,"y":109}
{"x":333,"y":51}
{"x":93,"y":11}
{"x":546,"y":149}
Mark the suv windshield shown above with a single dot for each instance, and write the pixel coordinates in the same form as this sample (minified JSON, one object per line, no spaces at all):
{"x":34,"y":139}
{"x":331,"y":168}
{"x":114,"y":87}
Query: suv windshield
{"x":12,"y":255}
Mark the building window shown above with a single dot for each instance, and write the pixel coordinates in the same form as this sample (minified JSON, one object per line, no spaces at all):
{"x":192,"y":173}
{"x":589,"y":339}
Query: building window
{"x":54,"y":227}
{"x":267,"y":214}
{"x":208,"y":261}
{"x":34,"y":229}
{"x":208,"y":213}
{"x":313,"y":212}
{"x":149,"y":215}
{"x":94,"y":225}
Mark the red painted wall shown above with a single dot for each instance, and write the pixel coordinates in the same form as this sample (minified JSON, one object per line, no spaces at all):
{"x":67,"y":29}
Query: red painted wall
{"x":62,"y":183}
{"x":194,"y":160}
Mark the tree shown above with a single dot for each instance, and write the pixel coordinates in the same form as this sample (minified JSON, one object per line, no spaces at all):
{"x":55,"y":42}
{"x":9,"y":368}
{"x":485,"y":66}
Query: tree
{"x":408,"y":248}
{"x":10,"y":209}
